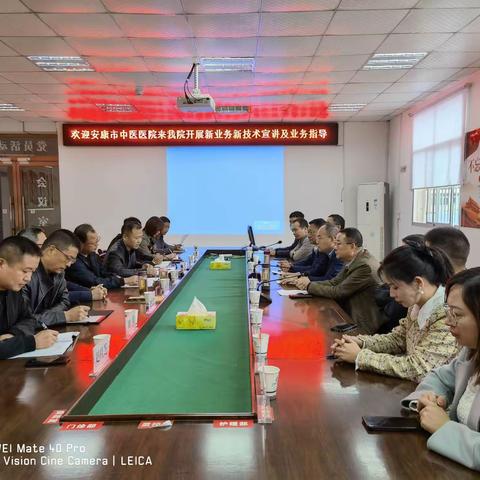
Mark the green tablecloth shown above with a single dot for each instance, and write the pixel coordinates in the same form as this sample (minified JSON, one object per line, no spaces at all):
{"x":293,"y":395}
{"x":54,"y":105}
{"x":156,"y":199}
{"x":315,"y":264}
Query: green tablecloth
{"x":185,"y":371}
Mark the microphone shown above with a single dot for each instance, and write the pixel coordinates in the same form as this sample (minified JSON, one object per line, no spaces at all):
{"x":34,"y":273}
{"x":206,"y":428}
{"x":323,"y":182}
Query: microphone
{"x":271,"y":245}
{"x":263,"y":282}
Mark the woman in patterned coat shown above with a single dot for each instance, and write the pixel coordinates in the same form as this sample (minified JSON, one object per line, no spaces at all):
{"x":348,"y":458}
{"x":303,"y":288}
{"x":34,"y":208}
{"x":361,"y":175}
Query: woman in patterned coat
{"x":416,"y":275}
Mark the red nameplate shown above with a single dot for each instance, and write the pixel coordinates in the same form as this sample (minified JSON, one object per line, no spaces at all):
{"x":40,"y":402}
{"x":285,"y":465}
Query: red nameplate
{"x":54,"y":417}
{"x":232,"y":423}
{"x":147,"y":424}
{"x":81,"y":426}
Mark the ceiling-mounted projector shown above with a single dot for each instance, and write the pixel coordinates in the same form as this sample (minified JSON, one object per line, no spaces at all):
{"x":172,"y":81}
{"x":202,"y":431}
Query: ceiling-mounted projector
{"x":195,"y":101}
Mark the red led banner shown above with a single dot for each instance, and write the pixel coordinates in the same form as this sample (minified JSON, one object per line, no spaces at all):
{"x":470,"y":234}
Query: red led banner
{"x":131,"y":135}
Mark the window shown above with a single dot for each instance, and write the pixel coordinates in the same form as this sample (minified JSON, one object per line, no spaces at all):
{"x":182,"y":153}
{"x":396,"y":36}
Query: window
{"x":437,"y":151}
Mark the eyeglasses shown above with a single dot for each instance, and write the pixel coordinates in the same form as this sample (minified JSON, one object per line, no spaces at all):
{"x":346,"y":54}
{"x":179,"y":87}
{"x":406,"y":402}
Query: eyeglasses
{"x":69,"y":258}
{"x":451,"y":315}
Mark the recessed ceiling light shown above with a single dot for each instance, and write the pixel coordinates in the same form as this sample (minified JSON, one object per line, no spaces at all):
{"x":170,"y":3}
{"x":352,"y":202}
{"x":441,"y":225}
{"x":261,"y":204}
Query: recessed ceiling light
{"x":396,"y":61}
{"x":10,"y":107}
{"x":345,"y":107}
{"x":116,"y":107}
{"x":232,"y":109}
{"x":51,"y":63}
{"x":228,"y":64}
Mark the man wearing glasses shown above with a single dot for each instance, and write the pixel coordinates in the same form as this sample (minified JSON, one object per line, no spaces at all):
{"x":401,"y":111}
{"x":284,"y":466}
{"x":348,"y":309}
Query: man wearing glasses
{"x":47,"y":292}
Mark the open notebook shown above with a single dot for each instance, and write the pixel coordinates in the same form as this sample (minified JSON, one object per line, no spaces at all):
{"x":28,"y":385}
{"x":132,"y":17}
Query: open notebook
{"x":64,"y":341}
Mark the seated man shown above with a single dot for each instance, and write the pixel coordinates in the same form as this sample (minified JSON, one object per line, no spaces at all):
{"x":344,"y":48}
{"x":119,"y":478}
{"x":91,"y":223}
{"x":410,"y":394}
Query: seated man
{"x":119,"y":235}
{"x":47,"y":292}
{"x":316,"y":262}
{"x":121,"y":257}
{"x":303,"y":248}
{"x":19,"y":258}
{"x":77,"y":294}
{"x":453,"y":243}
{"x":161,"y":246}
{"x":326,"y":236}
{"x":354,"y":287}
{"x":336,"y":219}
{"x":284,"y":252}
{"x":88,"y":270}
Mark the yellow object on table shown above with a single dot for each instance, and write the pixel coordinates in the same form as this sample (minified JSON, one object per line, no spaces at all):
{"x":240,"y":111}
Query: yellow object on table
{"x":196,"y":321}
{"x":220,"y":265}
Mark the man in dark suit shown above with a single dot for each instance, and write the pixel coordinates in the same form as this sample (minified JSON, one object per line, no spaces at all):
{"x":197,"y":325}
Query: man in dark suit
{"x":19,"y":258}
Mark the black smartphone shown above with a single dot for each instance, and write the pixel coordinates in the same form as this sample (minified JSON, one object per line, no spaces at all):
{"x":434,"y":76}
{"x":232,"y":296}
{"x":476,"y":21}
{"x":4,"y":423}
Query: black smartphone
{"x":47,"y":361}
{"x":391,"y":424}
{"x":344,"y":327}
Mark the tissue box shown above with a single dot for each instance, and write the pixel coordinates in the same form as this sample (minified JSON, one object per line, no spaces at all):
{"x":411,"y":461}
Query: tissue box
{"x":219,"y":265}
{"x":196,"y":321}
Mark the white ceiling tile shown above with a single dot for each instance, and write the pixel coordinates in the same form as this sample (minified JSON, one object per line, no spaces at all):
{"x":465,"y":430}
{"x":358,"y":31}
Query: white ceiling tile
{"x":4,"y":80}
{"x":97,"y":25}
{"x":278,"y":78}
{"x":23,"y":99}
{"x":287,"y":46}
{"x":16,"y":24}
{"x":77,"y":78}
{"x":328,"y":77}
{"x":365,"y":76}
{"x":30,"y":77}
{"x":17,"y":64}
{"x":294,"y":24}
{"x":156,"y":47}
{"x":438,"y":20}
{"x":164,"y":7}
{"x":349,"y":44}
{"x":220,"y":6}
{"x":154,"y":26}
{"x":125,"y":78}
{"x":103,"y":47}
{"x":408,"y":87}
{"x":447,"y":4}
{"x":354,"y":97}
{"x":6,"y":51}
{"x":228,"y":78}
{"x":12,"y":6}
{"x":158,"y":64}
{"x":65,"y":6}
{"x":298,"y":5}
{"x":312,"y":98}
{"x":226,"y":47}
{"x":116,"y":64}
{"x":40,"y":46}
{"x":271,"y":99}
{"x":449,"y":60}
{"x":473,"y":27}
{"x":426,"y":75}
{"x":382,"y":112}
{"x":47,"y":89}
{"x":366,"y":117}
{"x":383,"y":106}
{"x":365,"y":22}
{"x":417,"y":42}
{"x":281,"y":64}
{"x":462,"y":73}
{"x":338,"y":63}
{"x":320,"y":89}
{"x":173,"y":79}
{"x":339,"y":116}
{"x":218,"y":26}
{"x":466,"y":42}
{"x":364,"y":87}
{"x":396,"y":97}
{"x":375,"y":4}
{"x":12,"y":89}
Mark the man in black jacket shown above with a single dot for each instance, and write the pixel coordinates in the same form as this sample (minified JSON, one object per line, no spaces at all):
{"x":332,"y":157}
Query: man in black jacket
{"x":47,"y":292}
{"x":88,"y":270}
{"x":121,"y":258}
{"x":285,"y":252}
{"x":19,"y":257}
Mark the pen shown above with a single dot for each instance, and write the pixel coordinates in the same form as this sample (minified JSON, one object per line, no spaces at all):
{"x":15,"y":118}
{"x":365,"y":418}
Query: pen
{"x":42,"y":324}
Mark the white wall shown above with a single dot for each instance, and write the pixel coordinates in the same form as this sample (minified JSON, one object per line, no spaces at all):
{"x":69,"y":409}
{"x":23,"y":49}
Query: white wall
{"x":400,"y":162}
{"x":102,"y":185}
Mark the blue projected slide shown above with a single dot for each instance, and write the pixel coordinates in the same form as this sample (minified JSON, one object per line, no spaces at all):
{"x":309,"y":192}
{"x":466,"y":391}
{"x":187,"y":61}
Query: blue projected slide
{"x":221,"y":190}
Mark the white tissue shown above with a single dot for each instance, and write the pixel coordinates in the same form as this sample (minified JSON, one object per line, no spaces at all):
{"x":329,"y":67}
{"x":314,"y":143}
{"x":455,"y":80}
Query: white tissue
{"x":221,"y":258}
{"x":197,"y":307}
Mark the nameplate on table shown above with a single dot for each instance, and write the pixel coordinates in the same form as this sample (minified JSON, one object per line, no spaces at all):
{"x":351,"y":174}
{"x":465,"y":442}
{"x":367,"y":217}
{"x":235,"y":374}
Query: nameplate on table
{"x":148,"y":424}
{"x":232,"y":423}
{"x":82,"y":426}
{"x":54,"y":417}
{"x":101,"y":357}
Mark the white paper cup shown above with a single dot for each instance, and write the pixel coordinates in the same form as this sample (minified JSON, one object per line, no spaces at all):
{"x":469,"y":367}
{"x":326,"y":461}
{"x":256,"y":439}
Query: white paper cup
{"x":149,"y":298}
{"x":252,"y":283}
{"x":250,"y":267}
{"x":174,"y":275}
{"x":256,"y":258}
{"x":133,"y":313}
{"x":191,"y":259}
{"x":269,"y":380}
{"x":249,"y":253}
{"x":256,"y":316}
{"x":101,"y":337}
{"x":254,"y":298}
{"x":260,"y":343}
{"x":165,"y":284}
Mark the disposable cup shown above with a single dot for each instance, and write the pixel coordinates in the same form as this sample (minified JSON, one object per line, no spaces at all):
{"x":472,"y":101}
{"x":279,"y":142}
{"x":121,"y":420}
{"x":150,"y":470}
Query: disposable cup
{"x":269,"y":380}
{"x":254,"y":298}
{"x":256,"y":316}
{"x":260,"y":343}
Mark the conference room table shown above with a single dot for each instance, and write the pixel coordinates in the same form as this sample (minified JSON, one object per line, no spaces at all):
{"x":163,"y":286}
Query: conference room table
{"x":317,"y":430}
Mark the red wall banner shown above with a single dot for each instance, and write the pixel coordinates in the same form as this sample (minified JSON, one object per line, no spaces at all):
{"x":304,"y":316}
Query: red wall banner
{"x":141,"y":135}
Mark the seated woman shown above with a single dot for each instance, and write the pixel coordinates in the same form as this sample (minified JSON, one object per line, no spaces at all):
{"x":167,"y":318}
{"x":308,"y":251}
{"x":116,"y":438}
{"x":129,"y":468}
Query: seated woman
{"x":415,"y":275}
{"x":151,"y":232}
{"x":449,"y":398}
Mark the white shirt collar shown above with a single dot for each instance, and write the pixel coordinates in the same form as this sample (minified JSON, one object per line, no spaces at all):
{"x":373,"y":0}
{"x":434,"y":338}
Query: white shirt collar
{"x":422,"y":314}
